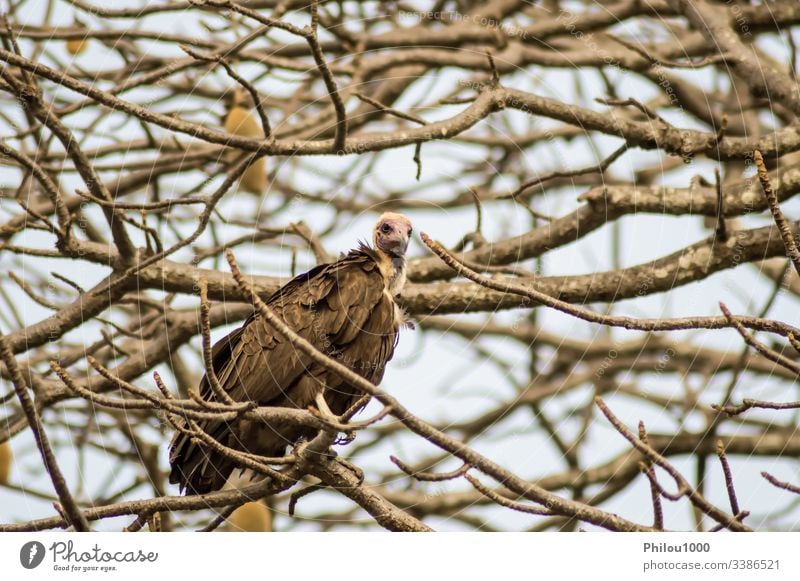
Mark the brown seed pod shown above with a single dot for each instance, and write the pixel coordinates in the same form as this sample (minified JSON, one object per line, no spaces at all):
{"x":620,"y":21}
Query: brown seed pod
{"x":76,"y":46}
{"x":241,"y":122}
{"x":253,"y":517}
{"x":6,"y":459}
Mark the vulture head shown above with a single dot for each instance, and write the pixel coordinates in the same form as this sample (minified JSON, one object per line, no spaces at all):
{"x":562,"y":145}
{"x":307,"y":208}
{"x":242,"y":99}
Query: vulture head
{"x":391,"y":235}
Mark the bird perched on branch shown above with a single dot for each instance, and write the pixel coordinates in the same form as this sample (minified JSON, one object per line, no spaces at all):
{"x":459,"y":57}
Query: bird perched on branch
{"x":346,"y":309}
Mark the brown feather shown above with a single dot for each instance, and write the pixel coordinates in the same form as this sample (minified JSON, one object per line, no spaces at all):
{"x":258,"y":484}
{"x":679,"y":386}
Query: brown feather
{"x":343,"y":309}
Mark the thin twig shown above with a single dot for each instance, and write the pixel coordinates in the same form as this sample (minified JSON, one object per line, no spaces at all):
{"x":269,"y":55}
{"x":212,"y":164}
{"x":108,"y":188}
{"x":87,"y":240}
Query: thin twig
{"x":211,"y":375}
{"x":750,"y":339}
{"x":650,"y":472}
{"x":748,"y":404}
{"x":430,"y":476}
{"x":338,"y":105}
{"x":296,"y":496}
{"x":720,"y":231}
{"x":223,"y":515}
{"x":136,"y":525}
{"x":72,"y":513}
{"x":740,"y":516}
{"x":726,"y":470}
{"x":506,"y":502}
{"x":697,"y":499}
{"x":655,"y":489}
{"x":597,"y":168}
{"x":780,"y":220}
{"x":585,"y":314}
{"x":780,"y":483}
{"x":390,"y":110}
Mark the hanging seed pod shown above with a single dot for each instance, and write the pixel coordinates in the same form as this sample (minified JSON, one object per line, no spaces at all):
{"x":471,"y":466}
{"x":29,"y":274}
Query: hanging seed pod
{"x":6,"y":458}
{"x":253,"y":517}
{"x":76,"y":46}
{"x":241,"y":122}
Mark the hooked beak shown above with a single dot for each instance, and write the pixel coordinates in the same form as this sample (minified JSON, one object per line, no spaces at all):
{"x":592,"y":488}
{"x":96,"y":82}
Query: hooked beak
{"x":399,"y":245}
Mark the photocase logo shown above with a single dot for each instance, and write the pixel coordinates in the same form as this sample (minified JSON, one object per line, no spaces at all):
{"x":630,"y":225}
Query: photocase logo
{"x":31,"y":554}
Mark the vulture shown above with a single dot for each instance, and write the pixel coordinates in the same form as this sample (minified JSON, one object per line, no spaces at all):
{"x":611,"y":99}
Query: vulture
{"x":346,"y":309}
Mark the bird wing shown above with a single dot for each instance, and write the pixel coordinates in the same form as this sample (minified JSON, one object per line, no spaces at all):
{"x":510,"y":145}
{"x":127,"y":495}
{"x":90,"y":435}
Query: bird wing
{"x":330,"y":306}
{"x":343,"y":310}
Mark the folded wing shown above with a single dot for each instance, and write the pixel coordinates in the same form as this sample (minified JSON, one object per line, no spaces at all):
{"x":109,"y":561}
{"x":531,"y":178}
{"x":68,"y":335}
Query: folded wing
{"x":344,"y":310}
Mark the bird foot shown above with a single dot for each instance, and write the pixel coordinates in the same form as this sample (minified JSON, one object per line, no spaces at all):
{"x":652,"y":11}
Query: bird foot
{"x":345,"y":439}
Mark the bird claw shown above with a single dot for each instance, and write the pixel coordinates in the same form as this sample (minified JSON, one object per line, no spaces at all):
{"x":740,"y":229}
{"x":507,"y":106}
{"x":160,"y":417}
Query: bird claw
{"x":345,"y":439}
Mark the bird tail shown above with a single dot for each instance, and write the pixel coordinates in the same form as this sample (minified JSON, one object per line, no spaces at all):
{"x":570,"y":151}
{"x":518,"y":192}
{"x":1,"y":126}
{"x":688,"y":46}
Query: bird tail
{"x":196,"y":468}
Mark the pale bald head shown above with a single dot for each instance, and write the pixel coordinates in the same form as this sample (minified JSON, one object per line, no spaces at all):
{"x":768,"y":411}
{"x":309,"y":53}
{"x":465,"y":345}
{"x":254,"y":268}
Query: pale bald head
{"x":392,"y":233}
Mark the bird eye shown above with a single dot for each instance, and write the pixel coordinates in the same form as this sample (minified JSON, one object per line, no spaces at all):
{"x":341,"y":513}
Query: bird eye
{"x":386,"y":228}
